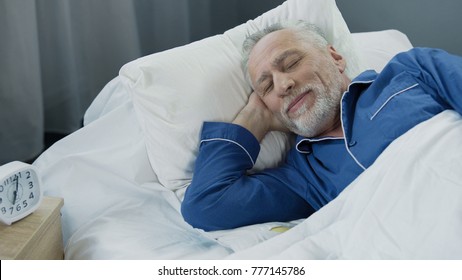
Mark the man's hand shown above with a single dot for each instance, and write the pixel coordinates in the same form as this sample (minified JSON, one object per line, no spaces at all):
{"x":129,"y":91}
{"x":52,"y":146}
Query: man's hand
{"x":257,"y":118}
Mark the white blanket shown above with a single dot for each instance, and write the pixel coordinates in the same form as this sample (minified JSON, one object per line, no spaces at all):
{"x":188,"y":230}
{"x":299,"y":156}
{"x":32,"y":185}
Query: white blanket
{"x":408,"y":205}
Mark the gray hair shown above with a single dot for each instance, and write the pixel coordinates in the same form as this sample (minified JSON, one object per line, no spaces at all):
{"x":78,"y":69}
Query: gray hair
{"x":305,"y":31}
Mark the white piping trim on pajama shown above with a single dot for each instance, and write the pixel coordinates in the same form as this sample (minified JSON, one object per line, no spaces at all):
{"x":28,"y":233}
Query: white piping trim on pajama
{"x":231,"y":141}
{"x":389,"y":98}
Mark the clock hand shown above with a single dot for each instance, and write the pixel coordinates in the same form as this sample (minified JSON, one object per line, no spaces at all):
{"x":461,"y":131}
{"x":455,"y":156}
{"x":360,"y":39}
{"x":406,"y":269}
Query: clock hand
{"x":15,"y":193}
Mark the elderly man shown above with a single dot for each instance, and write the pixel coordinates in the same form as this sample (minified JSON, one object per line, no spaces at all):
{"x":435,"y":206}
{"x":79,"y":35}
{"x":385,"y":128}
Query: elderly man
{"x":342,"y":126}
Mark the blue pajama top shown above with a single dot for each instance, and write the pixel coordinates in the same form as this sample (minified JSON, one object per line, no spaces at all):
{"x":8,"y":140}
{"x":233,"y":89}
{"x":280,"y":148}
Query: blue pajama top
{"x":376,"y":109}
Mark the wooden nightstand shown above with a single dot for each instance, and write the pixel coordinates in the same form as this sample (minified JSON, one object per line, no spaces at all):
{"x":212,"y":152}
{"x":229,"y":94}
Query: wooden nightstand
{"x":36,"y":237}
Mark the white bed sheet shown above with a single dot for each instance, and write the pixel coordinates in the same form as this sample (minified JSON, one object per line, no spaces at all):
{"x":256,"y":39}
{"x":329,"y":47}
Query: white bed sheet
{"x":115,"y":208}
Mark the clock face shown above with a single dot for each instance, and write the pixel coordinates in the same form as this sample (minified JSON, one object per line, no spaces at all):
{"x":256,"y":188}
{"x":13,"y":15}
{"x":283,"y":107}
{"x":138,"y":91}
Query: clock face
{"x":19,"y":194}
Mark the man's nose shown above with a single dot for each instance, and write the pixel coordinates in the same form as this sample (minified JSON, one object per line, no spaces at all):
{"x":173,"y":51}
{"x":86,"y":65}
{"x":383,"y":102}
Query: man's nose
{"x":284,"y":84}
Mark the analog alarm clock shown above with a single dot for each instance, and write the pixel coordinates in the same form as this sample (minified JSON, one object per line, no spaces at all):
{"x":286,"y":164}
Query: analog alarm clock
{"x":20,"y":191}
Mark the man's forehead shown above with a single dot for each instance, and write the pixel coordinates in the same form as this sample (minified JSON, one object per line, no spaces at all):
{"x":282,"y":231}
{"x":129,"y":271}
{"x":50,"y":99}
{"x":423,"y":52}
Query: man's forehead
{"x":272,"y":50}
{"x":269,"y":46}
{"x":276,"y":38}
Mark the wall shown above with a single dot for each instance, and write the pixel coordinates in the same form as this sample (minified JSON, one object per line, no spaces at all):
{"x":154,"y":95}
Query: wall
{"x":224,"y":15}
{"x":427,"y":23}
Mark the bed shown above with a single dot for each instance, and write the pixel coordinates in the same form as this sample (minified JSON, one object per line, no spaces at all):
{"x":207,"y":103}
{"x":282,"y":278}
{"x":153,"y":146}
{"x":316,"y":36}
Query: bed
{"x":123,"y":175}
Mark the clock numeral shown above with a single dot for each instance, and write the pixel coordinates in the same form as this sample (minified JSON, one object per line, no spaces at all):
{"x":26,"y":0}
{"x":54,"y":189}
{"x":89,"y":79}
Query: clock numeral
{"x":31,"y":185}
{"x":11,"y":209}
{"x":28,"y":174}
{"x":1,"y":188}
{"x":31,"y":196}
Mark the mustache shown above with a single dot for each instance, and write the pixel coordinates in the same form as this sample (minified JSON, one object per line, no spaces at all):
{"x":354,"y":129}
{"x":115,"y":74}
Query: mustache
{"x":296,"y":94}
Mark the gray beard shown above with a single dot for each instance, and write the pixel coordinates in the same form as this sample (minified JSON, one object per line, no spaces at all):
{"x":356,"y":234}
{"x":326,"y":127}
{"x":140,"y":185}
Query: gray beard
{"x":313,"y":121}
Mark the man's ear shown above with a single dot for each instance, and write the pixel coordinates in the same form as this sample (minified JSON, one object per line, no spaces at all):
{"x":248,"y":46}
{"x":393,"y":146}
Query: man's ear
{"x":338,"y":59}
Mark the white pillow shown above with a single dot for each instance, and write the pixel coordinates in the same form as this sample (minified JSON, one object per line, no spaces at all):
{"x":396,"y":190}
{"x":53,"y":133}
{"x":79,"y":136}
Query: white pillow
{"x":176,"y":90}
{"x":378,"y":47}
